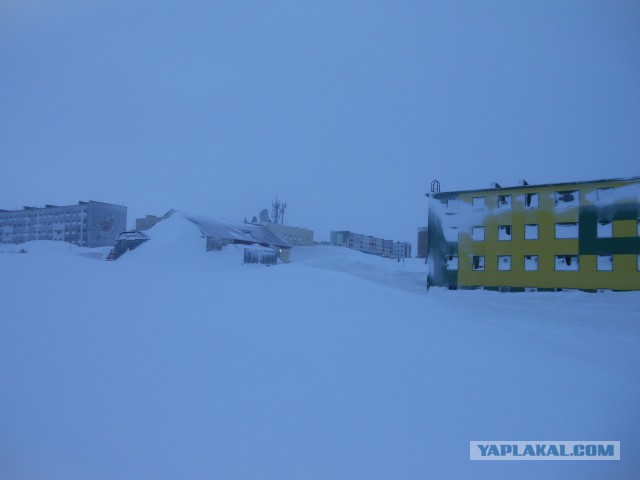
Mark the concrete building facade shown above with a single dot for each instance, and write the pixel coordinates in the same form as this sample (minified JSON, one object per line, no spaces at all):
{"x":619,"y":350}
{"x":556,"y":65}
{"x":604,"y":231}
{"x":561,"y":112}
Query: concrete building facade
{"x":89,"y":224}
{"x":369,"y":244}
{"x":580,"y":235}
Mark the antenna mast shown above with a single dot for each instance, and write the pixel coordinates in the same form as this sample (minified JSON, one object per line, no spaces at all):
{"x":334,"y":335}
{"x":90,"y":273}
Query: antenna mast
{"x":277,"y":211}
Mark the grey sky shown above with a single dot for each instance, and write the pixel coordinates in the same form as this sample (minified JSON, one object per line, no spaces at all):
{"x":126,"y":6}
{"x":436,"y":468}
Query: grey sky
{"x":345,"y":109}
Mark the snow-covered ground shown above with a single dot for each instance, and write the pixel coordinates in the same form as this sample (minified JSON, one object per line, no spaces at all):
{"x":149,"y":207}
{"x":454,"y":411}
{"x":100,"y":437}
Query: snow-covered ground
{"x":177,"y":363}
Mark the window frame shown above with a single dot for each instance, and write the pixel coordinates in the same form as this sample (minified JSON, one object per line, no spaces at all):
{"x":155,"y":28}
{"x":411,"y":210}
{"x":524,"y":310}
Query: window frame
{"x":510,"y":232}
{"x":473,"y":262}
{"x":505,"y":205}
{"x":499,"y":263}
{"x":598,"y":269}
{"x":484,"y":233}
{"x":577,"y":235}
{"x":599,"y":223}
{"x":600,"y":193}
{"x":479,"y":207}
{"x":457,"y":263}
{"x":555,"y":263}
{"x":537,"y":225}
{"x":559,"y":204}
{"x":524,"y":266}
{"x":535,"y":195}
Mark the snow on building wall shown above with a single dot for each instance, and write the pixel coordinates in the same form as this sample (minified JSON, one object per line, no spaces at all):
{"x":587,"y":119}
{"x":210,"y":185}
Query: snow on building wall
{"x":423,"y":233}
{"x":581,"y":235}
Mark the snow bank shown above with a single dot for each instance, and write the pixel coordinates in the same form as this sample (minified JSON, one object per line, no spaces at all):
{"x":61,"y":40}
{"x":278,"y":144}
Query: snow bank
{"x":177,"y":244}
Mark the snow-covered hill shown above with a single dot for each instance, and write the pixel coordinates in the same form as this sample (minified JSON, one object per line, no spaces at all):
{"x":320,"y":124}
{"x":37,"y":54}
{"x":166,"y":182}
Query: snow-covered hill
{"x":177,"y":363}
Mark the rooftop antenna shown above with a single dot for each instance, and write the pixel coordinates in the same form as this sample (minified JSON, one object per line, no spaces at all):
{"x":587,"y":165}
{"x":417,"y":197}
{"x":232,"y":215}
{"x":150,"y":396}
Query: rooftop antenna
{"x":435,"y":186}
{"x":277,"y":211}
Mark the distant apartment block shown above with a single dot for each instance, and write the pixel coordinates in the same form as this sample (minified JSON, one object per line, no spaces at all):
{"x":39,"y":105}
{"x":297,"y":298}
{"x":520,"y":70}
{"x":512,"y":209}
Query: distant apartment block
{"x":579,"y":235}
{"x":401,"y":250}
{"x":89,"y":224}
{"x":371,"y":245}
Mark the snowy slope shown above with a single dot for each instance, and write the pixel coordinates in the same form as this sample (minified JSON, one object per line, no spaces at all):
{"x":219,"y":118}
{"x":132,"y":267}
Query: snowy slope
{"x":177,"y":363}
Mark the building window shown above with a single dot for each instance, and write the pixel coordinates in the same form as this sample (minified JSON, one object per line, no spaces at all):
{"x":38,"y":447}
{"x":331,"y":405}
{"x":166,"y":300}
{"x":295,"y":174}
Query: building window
{"x":477,"y":234}
{"x":504,"y":262}
{"x":504,"y":201}
{"x":566,"y":230}
{"x":451,"y":234}
{"x":605,"y":263}
{"x":477,"y":263}
{"x":504,"y":232}
{"x":566,"y":262}
{"x":530,"y":200}
{"x":603,"y":193}
{"x":531,"y":263}
{"x":478,"y":202}
{"x":569,"y":198}
{"x":531,"y":231}
{"x":605,"y":229}
{"x":452,"y":262}
{"x":452,"y":205}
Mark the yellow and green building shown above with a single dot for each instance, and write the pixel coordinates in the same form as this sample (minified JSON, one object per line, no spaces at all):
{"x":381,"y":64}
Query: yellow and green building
{"x":579,"y":235}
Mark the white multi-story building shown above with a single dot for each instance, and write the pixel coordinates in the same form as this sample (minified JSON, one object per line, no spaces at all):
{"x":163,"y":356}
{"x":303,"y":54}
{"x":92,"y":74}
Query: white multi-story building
{"x":90,"y":224}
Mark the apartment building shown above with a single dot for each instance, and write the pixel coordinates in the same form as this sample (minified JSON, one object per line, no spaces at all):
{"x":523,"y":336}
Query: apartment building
{"x":90,"y":224}
{"x":578,"y":235}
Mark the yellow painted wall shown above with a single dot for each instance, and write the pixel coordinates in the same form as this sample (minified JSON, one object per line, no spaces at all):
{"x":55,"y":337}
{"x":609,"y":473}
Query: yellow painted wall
{"x":625,"y":228}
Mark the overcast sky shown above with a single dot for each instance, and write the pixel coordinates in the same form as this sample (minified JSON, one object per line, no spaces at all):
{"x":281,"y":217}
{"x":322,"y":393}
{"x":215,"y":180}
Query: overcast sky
{"x":345,"y":109}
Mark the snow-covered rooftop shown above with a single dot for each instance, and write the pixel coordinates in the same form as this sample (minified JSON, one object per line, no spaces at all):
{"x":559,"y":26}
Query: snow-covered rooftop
{"x":236,"y":231}
{"x":527,"y":186}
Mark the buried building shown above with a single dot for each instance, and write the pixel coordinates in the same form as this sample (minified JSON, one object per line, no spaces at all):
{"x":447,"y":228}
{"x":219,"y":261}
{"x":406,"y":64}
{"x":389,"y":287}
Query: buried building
{"x":580,"y":235}
{"x":223,"y":232}
{"x":220,"y":232}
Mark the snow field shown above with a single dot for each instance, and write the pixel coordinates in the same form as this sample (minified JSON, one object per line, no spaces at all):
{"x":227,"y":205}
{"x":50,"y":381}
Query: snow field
{"x":177,"y":363}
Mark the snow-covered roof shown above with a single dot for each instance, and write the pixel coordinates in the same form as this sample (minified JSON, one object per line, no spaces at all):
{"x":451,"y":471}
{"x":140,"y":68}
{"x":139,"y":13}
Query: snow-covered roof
{"x":236,"y":231}
{"x":134,"y":235}
{"x":527,"y":186}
